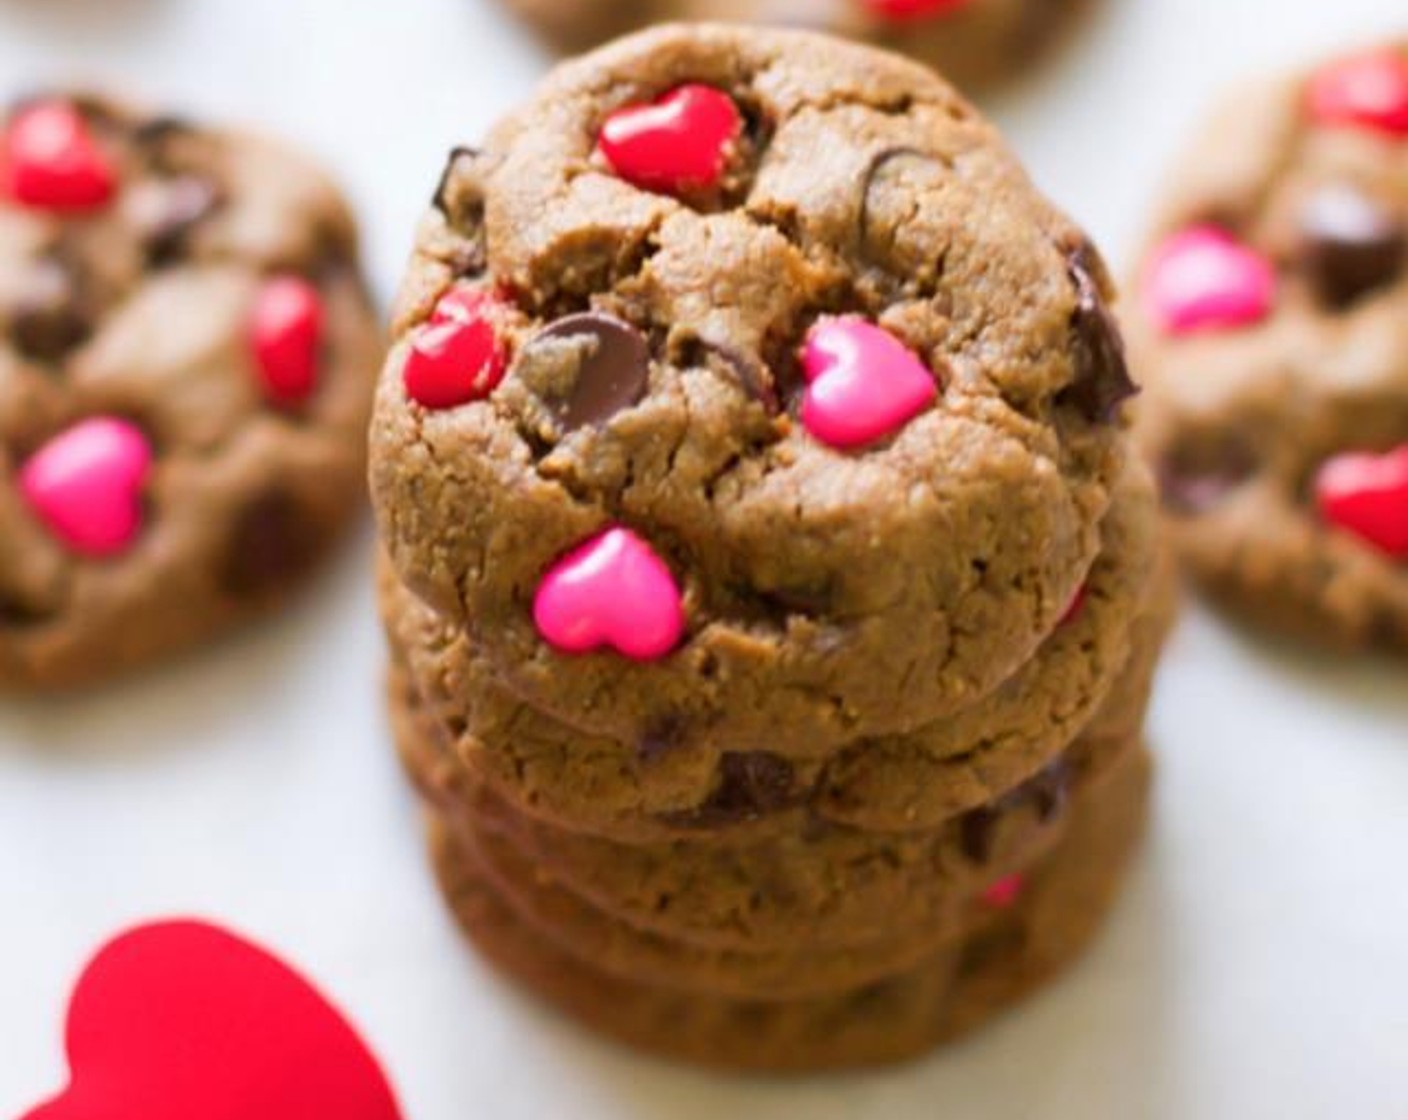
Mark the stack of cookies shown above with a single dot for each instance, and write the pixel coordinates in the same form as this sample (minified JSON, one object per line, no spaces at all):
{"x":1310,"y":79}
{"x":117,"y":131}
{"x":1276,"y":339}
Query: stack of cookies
{"x":769,"y":587}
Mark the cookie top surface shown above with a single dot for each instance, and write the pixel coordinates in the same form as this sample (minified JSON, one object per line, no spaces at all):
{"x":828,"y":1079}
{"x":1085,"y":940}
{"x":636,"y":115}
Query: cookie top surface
{"x":972,"y":42}
{"x":1272,"y":326}
{"x":186,"y":361}
{"x":755,"y":357}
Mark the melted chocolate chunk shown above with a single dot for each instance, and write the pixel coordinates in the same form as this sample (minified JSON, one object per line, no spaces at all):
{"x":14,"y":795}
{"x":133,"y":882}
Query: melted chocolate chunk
{"x":441,"y":198}
{"x":1047,"y":793}
{"x":1352,"y":244}
{"x":166,"y":211}
{"x":664,"y":738}
{"x":601,"y":366}
{"x":750,"y":374}
{"x":273,"y":542}
{"x":883,"y":210}
{"x":1198,"y":477}
{"x":155,"y":130}
{"x":1102,"y":381}
{"x":751,"y":786}
{"x":52,"y":317}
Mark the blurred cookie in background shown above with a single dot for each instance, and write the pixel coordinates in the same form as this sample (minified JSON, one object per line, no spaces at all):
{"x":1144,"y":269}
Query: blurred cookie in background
{"x":1271,"y":333}
{"x":187,"y":349}
{"x":972,"y":42}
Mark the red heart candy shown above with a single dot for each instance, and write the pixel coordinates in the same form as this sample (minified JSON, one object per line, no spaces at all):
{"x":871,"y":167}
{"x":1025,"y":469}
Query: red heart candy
{"x":183,"y":1021}
{"x":286,"y":335}
{"x":678,"y":143}
{"x":1368,"y":90}
{"x":50,"y":160}
{"x":862,"y":382}
{"x":1367,"y":495}
{"x":86,"y":484}
{"x":612,"y":591}
{"x":900,"y":10}
{"x":458,"y":356}
{"x":1005,"y":893}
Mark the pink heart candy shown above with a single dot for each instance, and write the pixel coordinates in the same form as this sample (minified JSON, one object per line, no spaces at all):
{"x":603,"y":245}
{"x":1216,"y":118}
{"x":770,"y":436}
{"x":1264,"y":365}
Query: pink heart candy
{"x":1204,"y":279}
{"x":862,"y":382}
{"x":183,"y":1021}
{"x":612,"y":591}
{"x":86,"y":484}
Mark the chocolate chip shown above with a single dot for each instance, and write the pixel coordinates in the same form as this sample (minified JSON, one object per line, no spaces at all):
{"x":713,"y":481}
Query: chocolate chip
{"x":458,"y":155}
{"x":1047,"y":793}
{"x":1198,"y":476}
{"x":590,"y":367}
{"x":666,"y":737}
{"x":751,"y":785}
{"x":1102,"y":381}
{"x":888,"y":185}
{"x":273,"y":542}
{"x":1051,"y":790}
{"x":165,"y":211}
{"x":1352,"y":244}
{"x":746,"y":371}
{"x":52,"y":316}
{"x":162,"y":127}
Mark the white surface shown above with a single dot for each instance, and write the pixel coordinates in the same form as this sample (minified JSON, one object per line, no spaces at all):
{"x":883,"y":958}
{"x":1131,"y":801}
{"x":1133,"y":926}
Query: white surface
{"x":1258,"y":968}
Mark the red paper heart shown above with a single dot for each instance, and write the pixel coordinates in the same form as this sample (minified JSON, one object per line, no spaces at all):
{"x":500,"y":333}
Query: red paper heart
{"x":183,"y":1021}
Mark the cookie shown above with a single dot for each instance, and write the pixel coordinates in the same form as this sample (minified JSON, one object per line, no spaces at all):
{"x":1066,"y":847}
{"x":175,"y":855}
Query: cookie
{"x":684,"y":788}
{"x":187,"y":354}
{"x":1043,"y":924}
{"x":1272,"y":327}
{"x":675,"y":413}
{"x":971,"y":42}
{"x":823,"y":885}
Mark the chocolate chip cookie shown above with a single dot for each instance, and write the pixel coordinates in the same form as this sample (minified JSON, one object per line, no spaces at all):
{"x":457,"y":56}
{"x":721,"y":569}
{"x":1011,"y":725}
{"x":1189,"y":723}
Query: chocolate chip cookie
{"x":1021,"y":935}
{"x":1273,"y":331}
{"x":678,"y":786}
{"x":698,"y":434}
{"x":971,"y":42}
{"x":187,"y":354}
{"x":768,"y":583}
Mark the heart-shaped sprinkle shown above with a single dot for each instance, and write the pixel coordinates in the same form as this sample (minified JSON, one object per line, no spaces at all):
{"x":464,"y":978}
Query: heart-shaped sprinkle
{"x":1353,"y":244}
{"x":1005,"y":893}
{"x":1368,"y":90}
{"x":50,"y":160}
{"x":286,"y":335}
{"x":677,"y":144}
{"x":1367,"y":495}
{"x":1202,"y":279}
{"x":903,"y":10}
{"x":180,"y":1020}
{"x":86,"y":484}
{"x":458,"y":356}
{"x":612,"y":591}
{"x":862,"y":382}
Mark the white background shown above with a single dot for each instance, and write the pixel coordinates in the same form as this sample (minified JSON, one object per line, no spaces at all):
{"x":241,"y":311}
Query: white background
{"x":1259,"y":967}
